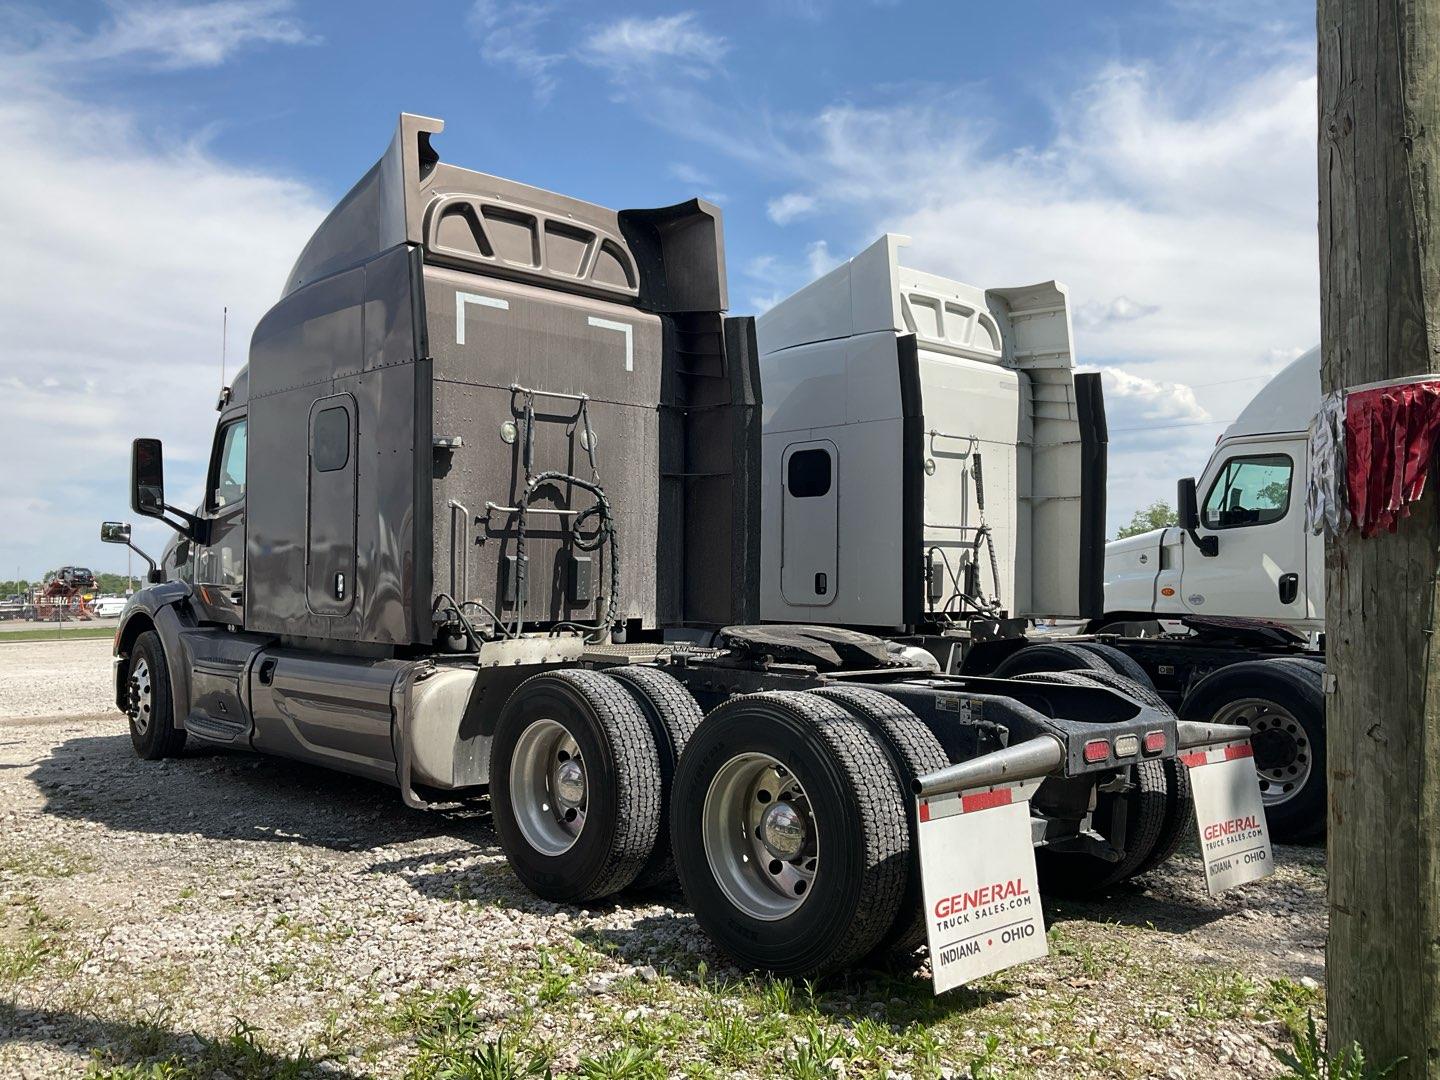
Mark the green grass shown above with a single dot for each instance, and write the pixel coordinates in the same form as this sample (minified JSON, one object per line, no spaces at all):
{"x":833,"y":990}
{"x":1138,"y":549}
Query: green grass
{"x":239,"y":1055}
{"x":56,"y":634}
{"x":1310,"y":1061}
{"x":45,"y":861}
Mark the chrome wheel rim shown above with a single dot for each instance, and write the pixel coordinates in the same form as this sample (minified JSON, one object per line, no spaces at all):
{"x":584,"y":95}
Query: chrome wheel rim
{"x":549,"y":787}
{"x":760,"y":836}
{"x":1284,"y":757}
{"x":142,"y":697}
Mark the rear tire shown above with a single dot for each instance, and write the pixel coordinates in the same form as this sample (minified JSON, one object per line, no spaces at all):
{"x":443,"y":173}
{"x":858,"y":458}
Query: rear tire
{"x":673,"y":715}
{"x":574,"y":785}
{"x":148,"y":703}
{"x":837,"y":891}
{"x":1050,"y":656}
{"x":1282,"y":701}
{"x":1120,"y":662}
{"x":913,"y":751}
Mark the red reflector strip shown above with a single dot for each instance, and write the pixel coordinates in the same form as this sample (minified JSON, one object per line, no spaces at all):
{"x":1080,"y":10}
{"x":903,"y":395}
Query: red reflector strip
{"x":924,"y":810}
{"x":1154,"y":742}
{"x":985,"y":800}
{"x":1243,"y":750}
{"x":1192,"y":760}
{"x":1096,"y":750}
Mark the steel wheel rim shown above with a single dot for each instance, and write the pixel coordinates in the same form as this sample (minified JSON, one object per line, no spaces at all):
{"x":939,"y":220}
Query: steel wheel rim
{"x":1282,"y":779}
{"x":142,"y":696}
{"x":549,"y":787}
{"x":760,"y":836}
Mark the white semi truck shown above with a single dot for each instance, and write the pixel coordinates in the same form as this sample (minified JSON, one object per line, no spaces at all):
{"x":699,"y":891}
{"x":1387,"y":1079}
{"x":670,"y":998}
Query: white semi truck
{"x":1231,"y":602}
{"x":934,"y":471}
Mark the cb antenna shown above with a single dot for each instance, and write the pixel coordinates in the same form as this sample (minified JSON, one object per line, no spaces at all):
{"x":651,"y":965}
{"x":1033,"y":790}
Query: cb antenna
{"x":224,"y":340}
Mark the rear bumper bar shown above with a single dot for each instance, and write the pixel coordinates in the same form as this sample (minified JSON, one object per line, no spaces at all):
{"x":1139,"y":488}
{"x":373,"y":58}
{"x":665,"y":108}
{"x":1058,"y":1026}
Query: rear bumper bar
{"x":1044,"y":755}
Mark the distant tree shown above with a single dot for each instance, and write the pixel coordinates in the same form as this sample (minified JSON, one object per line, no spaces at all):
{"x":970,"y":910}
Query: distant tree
{"x":116,"y":584}
{"x":1157,"y":515}
{"x":1273,"y":495}
{"x":10,"y":588}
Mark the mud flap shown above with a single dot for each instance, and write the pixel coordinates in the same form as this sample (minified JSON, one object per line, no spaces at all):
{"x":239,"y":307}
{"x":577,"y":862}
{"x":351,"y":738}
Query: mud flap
{"x":977,"y":866}
{"x":1229,"y":814}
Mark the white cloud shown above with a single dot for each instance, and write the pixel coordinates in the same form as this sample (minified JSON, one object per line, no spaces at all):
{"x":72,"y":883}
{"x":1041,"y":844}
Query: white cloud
{"x":167,"y":35}
{"x":1093,"y":315}
{"x":203,"y":35}
{"x":1134,"y":401}
{"x":513,"y":32}
{"x":120,"y":254}
{"x":819,"y":259}
{"x":1183,"y":223}
{"x":688,"y":174}
{"x":791,"y":207}
{"x":633,"y":52}
{"x":773,"y":278}
{"x":697,"y":180}
{"x":629,"y":46}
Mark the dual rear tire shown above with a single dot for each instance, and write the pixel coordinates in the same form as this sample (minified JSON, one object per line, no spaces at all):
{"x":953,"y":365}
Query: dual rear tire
{"x":804,"y":852}
{"x":789,"y":825}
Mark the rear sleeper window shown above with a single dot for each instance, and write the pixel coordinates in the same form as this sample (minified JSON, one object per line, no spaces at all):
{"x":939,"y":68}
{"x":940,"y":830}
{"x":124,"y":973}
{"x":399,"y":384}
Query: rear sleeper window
{"x":808,"y":474}
{"x":332,"y":440}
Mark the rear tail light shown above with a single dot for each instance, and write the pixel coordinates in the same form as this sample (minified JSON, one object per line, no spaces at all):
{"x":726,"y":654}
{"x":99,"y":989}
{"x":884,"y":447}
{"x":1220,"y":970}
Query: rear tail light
{"x":1154,"y":742}
{"x":1127,"y":745}
{"x":1096,"y":750}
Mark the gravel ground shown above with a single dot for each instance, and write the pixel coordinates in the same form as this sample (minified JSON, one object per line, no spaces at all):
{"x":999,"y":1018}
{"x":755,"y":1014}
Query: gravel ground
{"x":55,"y":678}
{"x":225,"y":915}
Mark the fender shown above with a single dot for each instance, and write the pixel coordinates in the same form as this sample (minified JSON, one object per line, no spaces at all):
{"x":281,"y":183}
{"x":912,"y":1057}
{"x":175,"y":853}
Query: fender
{"x":166,"y":607}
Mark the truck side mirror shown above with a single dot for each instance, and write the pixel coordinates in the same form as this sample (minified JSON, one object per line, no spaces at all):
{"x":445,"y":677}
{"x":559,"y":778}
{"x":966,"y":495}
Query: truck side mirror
{"x":1187,"y":509}
{"x":147,"y":478}
{"x":118,"y":532}
{"x":1187,"y":516}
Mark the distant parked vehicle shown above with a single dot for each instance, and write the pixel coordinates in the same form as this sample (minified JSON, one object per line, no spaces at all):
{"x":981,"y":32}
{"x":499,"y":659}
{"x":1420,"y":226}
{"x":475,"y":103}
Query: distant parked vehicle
{"x":109,"y":606}
{"x":14,"y":606}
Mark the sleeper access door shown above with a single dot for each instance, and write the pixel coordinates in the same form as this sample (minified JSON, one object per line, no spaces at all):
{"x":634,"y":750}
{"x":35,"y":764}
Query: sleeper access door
{"x":330,"y":530}
{"x":810,"y":523}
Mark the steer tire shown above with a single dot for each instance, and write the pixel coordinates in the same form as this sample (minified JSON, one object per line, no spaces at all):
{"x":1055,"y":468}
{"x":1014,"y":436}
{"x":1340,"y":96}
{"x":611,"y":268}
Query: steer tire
{"x":1147,"y":811}
{"x":149,"y":706}
{"x":863,"y":853}
{"x":913,"y":751}
{"x":1050,"y":656}
{"x":622,"y":787}
{"x":1294,"y":685}
{"x":673,"y":715}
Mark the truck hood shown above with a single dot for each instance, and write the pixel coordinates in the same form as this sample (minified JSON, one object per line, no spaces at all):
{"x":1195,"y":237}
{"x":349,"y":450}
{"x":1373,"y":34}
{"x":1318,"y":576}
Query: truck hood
{"x":1139,"y":541}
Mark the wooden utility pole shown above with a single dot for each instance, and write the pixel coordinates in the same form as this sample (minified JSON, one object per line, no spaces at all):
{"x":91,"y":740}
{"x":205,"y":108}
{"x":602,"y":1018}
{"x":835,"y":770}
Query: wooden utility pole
{"x":1379,"y":158}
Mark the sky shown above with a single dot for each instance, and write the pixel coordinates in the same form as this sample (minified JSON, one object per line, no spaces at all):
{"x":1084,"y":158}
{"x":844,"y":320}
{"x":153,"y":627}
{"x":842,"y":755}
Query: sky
{"x":161,"y":161}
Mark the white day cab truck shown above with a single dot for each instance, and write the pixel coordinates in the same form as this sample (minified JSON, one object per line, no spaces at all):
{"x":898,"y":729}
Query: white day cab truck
{"x":963,"y":501}
{"x":1226,"y":610}
{"x":495,"y":464}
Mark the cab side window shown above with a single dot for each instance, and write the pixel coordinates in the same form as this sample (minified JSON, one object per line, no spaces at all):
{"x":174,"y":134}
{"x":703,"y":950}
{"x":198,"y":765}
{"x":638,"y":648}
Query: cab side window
{"x":1249,"y":491}
{"x":227,"y":484}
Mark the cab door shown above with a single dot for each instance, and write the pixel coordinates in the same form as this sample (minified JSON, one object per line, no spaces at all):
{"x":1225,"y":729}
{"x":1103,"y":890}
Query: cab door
{"x":1252,"y":500}
{"x":220,"y":561}
{"x":330,"y":507}
{"x":809,"y":523}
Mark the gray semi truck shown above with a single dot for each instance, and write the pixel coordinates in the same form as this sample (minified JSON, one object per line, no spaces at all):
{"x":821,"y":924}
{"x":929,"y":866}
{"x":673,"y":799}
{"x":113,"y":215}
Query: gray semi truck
{"x":491,"y":471}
